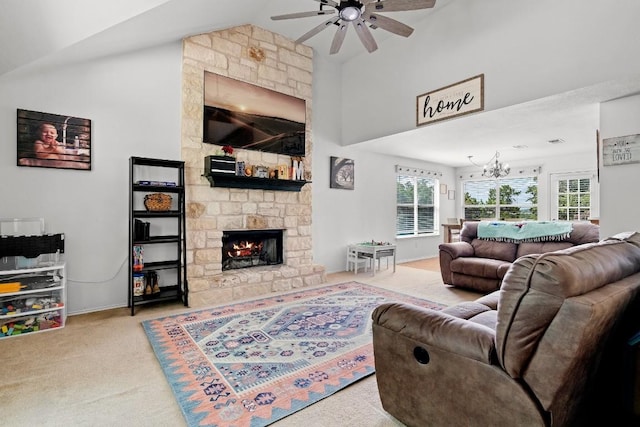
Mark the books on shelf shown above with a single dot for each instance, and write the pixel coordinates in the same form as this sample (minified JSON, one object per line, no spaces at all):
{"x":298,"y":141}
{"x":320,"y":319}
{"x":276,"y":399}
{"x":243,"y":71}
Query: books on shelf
{"x":158,"y":183}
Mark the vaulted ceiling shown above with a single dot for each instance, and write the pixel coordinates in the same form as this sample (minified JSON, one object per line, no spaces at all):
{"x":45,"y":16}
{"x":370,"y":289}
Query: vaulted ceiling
{"x":68,"y":30}
{"x":44,"y":33}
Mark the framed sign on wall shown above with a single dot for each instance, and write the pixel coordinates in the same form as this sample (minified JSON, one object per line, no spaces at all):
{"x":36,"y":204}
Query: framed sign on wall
{"x":621,"y":150}
{"x":451,"y":101}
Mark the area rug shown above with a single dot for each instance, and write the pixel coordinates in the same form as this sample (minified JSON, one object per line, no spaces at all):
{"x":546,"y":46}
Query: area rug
{"x":255,"y":362}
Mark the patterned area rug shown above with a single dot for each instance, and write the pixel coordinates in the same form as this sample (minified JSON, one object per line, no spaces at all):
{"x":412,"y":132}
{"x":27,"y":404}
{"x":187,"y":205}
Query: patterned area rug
{"x":253,"y":363}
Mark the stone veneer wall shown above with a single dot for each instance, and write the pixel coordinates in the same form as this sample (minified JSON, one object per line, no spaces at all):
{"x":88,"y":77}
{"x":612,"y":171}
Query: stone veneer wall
{"x":265,"y":59}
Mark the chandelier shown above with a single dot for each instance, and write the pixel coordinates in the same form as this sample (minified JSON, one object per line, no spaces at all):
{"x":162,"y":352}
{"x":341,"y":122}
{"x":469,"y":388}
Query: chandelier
{"x":494,"y":168}
{"x":497,"y":169}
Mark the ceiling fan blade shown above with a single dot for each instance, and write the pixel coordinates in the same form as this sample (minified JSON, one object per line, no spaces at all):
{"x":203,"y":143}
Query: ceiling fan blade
{"x":315,"y":30}
{"x":365,"y":35}
{"x":399,"y":5}
{"x":338,"y":38}
{"x":391,"y":25}
{"x":302,"y":14}
{"x":328,"y":2}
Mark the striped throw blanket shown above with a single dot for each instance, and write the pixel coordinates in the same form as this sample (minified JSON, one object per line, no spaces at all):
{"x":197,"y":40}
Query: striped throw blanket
{"x":525,"y":231}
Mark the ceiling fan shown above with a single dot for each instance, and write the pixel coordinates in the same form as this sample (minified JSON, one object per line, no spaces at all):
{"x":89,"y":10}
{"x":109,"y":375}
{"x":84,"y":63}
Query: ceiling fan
{"x":359,"y":13}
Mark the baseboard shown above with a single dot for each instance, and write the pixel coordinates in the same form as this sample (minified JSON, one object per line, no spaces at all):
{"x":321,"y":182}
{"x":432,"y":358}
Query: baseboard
{"x":415,"y":259}
{"x":96,"y":309}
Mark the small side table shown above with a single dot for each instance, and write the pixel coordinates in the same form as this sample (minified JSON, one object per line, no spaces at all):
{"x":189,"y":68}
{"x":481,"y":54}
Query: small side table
{"x":375,"y":252}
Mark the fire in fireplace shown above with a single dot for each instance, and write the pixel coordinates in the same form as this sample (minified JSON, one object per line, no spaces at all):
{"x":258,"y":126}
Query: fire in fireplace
{"x":250,"y":248}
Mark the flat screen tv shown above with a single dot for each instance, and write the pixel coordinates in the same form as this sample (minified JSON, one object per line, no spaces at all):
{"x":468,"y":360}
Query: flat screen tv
{"x":243,"y":115}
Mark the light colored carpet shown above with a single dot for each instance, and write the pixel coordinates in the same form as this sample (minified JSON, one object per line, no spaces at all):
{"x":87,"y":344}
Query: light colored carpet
{"x":431,"y":264}
{"x":100,"y":370}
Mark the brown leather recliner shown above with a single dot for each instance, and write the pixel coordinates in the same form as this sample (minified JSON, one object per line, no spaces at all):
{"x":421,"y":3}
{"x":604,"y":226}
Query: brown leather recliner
{"x":480,"y":265}
{"x":545,"y":350}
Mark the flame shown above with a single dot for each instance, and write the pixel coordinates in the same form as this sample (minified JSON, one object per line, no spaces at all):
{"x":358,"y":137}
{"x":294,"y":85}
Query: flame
{"x":245,"y":249}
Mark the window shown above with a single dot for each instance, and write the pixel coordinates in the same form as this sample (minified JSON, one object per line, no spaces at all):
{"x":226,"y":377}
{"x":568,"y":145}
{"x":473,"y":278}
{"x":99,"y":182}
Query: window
{"x":416,"y":205}
{"x":575,"y":197}
{"x":503,"y":198}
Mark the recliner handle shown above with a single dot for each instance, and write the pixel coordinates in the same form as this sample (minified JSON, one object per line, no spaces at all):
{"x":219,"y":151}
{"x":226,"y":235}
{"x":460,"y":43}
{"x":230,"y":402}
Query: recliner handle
{"x":421,"y":355}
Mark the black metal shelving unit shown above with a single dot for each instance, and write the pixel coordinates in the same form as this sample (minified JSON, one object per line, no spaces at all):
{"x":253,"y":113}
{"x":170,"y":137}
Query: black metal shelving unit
{"x":177,"y":260}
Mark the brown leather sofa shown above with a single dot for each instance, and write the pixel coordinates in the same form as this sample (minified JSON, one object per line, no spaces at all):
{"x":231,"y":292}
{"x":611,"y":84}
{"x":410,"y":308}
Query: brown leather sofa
{"x":547,"y":349}
{"x":480,"y":265}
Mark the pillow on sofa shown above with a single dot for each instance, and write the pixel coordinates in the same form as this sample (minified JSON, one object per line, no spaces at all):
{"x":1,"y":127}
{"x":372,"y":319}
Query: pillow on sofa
{"x":504,"y":251}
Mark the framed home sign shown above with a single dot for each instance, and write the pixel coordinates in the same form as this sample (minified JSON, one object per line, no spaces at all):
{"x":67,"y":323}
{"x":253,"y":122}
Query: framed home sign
{"x":451,"y":101}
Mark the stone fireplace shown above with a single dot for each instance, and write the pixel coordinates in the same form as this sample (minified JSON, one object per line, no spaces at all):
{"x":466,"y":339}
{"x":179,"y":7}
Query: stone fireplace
{"x":283,"y":66}
{"x":251,"y":248}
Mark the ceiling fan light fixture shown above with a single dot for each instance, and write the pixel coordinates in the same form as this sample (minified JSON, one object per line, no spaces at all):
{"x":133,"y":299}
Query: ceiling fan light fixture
{"x":350,"y":13}
{"x":357,"y":12}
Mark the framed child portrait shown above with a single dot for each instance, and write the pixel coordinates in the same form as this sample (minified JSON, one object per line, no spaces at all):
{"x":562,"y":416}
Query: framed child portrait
{"x":53,"y":141}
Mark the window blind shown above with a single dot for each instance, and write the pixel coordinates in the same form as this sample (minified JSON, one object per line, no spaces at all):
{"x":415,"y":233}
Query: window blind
{"x":503,"y":198}
{"x":416,"y":205}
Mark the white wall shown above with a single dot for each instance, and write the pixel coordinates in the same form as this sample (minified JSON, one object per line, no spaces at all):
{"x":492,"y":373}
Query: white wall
{"x":133,"y":102}
{"x":619,"y":202}
{"x":341,"y":217}
{"x":527,"y":50}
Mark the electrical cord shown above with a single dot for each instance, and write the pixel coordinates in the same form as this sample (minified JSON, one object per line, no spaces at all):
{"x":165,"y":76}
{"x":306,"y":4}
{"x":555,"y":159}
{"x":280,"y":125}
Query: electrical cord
{"x":101,"y":281}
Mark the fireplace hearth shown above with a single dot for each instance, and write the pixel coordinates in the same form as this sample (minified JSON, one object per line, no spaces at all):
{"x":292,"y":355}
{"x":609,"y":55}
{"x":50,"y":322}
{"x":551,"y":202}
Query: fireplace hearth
{"x":251,"y":248}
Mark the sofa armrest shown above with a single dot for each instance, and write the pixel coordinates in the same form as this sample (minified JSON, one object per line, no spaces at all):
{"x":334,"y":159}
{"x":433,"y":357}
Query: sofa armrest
{"x":457,"y":249}
{"x":457,"y":381}
{"x":437,"y":329}
{"x":449,"y":252}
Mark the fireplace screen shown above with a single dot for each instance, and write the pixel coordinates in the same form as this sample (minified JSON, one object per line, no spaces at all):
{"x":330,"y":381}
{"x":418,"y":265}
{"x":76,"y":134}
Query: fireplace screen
{"x":250,"y":248}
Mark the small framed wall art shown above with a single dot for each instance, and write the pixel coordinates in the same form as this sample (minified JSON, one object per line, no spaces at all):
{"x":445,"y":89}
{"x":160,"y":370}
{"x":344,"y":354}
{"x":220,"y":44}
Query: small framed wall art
{"x":53,"y":141}
{"x":621,"y":150}
{"x":341,"y":174}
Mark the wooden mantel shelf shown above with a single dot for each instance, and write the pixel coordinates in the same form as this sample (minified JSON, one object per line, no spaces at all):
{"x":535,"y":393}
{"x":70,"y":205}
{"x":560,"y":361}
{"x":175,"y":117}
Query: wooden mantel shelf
{"x":233,"y":181}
